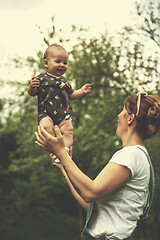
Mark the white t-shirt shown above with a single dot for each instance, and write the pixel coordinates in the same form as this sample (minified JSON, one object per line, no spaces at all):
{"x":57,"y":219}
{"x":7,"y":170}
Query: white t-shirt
{"x":116,"y":216}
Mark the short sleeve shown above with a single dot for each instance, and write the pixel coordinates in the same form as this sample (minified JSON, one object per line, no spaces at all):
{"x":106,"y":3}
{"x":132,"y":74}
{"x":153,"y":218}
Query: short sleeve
{"x":127,"y":158}
{"x":69,"y":89}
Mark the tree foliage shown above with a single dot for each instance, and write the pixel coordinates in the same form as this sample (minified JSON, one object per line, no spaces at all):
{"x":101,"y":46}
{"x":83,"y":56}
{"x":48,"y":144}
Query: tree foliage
{"x":149,"y":14}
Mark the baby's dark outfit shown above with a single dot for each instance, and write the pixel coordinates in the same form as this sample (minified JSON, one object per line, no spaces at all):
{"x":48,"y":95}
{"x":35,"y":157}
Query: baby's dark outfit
{"x":53,"y":98}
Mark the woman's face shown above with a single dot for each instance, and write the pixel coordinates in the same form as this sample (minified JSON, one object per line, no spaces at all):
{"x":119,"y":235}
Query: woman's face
{"x":122,"y":126}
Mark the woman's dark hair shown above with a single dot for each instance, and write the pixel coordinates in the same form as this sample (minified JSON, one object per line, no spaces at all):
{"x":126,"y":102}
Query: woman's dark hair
{"x":148,"y":118}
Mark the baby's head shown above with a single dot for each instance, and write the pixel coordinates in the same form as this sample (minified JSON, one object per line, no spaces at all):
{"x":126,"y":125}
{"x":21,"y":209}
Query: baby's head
{"x":55,"y":60}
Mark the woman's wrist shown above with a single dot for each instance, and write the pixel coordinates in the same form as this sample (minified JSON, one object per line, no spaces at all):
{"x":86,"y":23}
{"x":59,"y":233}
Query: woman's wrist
{"x":61,"y":154}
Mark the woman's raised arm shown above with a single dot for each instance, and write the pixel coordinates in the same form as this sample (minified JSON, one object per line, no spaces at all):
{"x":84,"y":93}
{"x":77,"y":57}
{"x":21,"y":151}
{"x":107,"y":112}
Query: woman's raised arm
{"x":111,"y":178}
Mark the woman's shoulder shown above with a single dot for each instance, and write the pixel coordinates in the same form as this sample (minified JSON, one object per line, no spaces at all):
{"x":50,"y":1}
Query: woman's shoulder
{"x":132,"y":157}
{"x":137,"y":149}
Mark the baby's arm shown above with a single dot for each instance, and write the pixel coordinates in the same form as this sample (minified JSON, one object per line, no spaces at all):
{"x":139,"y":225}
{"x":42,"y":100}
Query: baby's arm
{"x":32,"y":89}
{"x":81,"y":92}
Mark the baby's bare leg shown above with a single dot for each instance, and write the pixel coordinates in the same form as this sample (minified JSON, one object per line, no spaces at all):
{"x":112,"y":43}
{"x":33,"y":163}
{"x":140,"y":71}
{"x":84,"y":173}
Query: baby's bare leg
{"x":66,"y":129}
{"x":48,"y":125}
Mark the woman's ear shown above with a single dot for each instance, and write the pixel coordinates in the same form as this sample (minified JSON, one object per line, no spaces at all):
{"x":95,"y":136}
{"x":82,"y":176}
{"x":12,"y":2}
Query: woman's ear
{"x":131,"y":119}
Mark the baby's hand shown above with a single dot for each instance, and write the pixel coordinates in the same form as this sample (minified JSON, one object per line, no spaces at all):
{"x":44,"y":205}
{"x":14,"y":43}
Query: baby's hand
{"x":34,"y":83}
{"x":86,"y":88}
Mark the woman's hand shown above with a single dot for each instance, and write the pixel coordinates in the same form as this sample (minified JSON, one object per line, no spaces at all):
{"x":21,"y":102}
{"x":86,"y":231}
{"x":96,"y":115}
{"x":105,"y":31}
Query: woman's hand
{"x":53,"y":163}
{"x":48,"y":142}
{"x":58,"y":165}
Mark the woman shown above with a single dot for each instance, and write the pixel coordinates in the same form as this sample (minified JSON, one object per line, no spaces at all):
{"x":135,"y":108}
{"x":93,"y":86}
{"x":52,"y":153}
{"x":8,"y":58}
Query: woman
{"x":118,"y":194}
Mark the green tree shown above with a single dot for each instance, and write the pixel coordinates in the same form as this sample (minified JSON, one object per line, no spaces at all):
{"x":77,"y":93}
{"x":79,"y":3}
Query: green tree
{"x":149,"y":13}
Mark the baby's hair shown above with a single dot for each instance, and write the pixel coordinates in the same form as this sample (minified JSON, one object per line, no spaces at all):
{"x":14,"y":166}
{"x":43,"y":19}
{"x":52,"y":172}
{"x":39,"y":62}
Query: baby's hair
{"x":48,"y":49}
{"x":148,"y":119}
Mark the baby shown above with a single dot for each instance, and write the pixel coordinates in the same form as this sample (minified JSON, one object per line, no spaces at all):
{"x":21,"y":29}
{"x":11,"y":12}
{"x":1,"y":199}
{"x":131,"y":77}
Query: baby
{"x":54,"y":92}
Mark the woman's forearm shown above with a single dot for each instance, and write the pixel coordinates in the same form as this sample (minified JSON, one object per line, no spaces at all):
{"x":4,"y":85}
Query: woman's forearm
{"x":76,"y":195}
{"x":79,"y":179}
{"x":111,"y":178}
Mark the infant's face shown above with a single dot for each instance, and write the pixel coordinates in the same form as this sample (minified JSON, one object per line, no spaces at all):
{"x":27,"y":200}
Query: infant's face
{"x":56,"y":63}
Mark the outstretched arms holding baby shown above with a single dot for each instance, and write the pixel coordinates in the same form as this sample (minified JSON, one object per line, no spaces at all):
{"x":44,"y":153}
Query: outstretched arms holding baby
{"x":111,"y":178}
